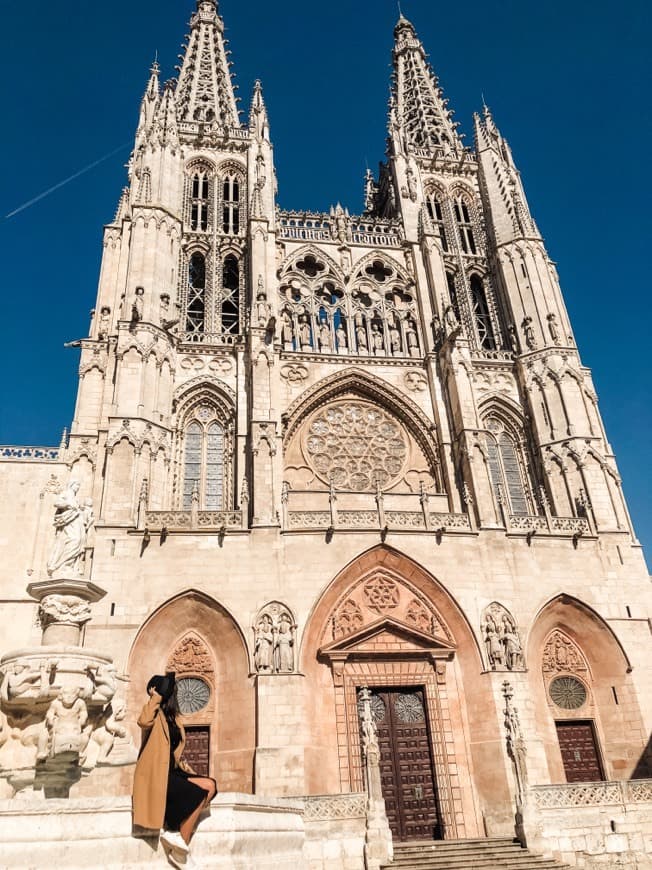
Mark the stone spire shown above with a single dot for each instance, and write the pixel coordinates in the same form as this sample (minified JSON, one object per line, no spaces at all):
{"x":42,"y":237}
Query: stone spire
{"x":205,"y":91}
{"x":501,"y":183}
{"x":418,"y":109}
{"x":149,"y":104}
{"x":258,"y":117}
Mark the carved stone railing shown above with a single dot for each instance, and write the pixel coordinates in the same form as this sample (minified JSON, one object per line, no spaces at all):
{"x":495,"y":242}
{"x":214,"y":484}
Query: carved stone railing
{"x":368,"y":520}
{"x":186,"y":521}
{"x":382,"y":235}
{"x":592,"y":794}
{"x":493,"y":355}
{"x":322,"y":808}
{"x":210,"y":338}
{"x":304,"y":226}
{"x":320,"y":227}
{"x":567,"y":526}
{"x":30,"y":454}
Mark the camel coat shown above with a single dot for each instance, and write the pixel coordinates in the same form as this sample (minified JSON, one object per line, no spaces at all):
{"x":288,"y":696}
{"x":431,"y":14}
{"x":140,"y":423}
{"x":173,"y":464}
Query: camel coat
{"x":152,"y":767}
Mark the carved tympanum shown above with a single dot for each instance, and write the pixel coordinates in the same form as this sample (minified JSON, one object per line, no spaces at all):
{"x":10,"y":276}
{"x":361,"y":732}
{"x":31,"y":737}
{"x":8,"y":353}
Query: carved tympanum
{"x":191,"y":656}
{"x":348,"y":619}
{"x":562,"y":655}
{"x":381,"y":594}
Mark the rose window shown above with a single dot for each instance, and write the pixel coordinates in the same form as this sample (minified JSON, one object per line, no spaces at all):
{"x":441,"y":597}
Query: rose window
{"x":356,"y":445}
{"x":568,"y":693}
{"x":193,"y":695}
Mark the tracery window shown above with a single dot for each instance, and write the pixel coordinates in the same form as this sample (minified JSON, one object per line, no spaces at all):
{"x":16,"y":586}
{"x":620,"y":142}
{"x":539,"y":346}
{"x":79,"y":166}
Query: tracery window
{"x":231,"y":295}
{"x":507,"y":466}
{"x":200,"y":185}
{"x":436,"y":211}
{"x":373,"y":315}
{"x":231,"y":204}
{"x":462,"y":212}
{"x":196,"y":294}
{"x":452,"y":292}
{"x":204,"y":461}
{"x":481,"y":314}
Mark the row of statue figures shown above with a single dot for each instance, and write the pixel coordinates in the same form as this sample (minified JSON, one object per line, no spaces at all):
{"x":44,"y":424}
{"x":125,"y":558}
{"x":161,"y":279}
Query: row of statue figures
{"x":333,"y":332}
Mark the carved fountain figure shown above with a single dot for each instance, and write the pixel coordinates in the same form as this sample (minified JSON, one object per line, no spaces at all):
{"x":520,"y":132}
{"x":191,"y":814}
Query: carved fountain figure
{"x":57,"y":698}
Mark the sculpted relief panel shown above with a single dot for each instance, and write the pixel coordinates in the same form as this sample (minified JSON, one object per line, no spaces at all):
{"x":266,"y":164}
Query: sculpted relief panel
{"x":502,"y":639}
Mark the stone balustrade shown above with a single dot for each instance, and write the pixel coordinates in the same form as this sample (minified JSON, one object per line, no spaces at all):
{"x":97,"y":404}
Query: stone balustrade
{"x":592,"y":794}
{"x":187,"y":521}
{"x":30,"y":454}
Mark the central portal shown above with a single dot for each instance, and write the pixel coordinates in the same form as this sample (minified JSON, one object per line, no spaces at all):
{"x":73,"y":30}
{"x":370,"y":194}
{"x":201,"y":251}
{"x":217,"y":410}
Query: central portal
{"x":406,"y":767}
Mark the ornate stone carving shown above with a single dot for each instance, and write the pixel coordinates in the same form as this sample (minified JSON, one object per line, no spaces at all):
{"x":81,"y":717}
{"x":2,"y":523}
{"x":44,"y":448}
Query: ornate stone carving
{"x":502,"y":640}
{"x":516,"y":748}
{"x":72,"y":522}
{"x":562,"y":655}
{"x":67,"y":609}
{"x":28,"y":681}
{"x":356,"y":445}
{"x":295,"y":373}
{"x":66,"y":726}
{"x":347,"y":619}
{"x":275,"y":640}
{"x":381,"y":594}
{"x":418,"y":616}
{"x":110,"y":743}
{"x":416,"y":382}
{"x":191,"y":656}
{"x":335,"y":807}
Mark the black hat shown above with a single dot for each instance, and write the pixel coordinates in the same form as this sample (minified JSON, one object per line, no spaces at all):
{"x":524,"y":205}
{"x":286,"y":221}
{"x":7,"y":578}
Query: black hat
{"x":164,"y":685}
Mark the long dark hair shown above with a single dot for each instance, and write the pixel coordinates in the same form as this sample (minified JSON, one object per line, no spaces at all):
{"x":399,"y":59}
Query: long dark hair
{"x":170,"y":707}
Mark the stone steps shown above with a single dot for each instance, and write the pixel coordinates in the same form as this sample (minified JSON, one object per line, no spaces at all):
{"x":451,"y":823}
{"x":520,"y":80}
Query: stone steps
{"x":491,"y":854}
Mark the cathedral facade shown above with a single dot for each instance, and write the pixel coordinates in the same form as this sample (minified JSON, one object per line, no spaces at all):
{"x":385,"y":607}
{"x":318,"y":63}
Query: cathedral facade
{"x":325,"y":465}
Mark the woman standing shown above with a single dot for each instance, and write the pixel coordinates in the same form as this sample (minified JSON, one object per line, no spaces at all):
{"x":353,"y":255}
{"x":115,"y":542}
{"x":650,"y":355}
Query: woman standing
{"x":167,"y":793}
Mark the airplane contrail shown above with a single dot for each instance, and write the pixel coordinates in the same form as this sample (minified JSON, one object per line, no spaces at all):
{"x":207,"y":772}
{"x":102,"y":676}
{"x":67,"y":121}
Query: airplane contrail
{"x":64,"y":182}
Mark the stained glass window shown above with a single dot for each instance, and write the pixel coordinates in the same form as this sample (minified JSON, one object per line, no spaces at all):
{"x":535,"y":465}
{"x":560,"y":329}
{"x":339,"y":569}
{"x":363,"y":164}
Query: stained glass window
{"x":505,"y":467}
{"x":204,"y":451}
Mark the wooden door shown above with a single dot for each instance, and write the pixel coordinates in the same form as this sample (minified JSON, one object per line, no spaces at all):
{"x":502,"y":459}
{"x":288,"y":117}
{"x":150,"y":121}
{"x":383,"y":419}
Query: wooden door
{"x":196,"y":750}
{"x":406,"y":767}
{"x":579,"y":751}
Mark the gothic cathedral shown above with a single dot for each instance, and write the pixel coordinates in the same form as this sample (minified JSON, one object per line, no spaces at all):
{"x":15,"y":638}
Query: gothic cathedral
{"x":347,"y":477}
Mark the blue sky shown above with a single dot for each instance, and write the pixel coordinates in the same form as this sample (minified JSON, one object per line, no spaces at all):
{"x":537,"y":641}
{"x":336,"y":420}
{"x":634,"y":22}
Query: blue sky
{"x":568,"y":83}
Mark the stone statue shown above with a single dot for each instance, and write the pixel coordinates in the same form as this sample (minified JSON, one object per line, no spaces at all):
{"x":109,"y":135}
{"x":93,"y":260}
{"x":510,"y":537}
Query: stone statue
{"x":263,"y":650}
{"x":284,"y":645}
{"x":493,"y":644}
{"x":27,"y":681}
{"x":104,"y":326}
{"x":324,"y":336}
{"x":287,"y":333}
{"x":395,"y":340}
{"x":263,"y":308}
{"x":411,"y":336}
{"x":377,"y":338}
{"x":512,"y":645}
{"x":528,"y":332}
{"x":553,"y":328}
{"x":513,"y":339}
{"x":305,"y":335}
{"x":340,"y":335}
{"x":361,"y":334}
{"x":105,"y":681}
{"x":112,"y":741}
{"x":71,"y":523}
{"x":137,"y":305}
{"x":66,"y":729}
{"x":516,"y":748}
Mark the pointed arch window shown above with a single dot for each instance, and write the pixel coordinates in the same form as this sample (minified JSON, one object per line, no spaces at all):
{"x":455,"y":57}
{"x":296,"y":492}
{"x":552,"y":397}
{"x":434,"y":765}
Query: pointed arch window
{"x":231,"y":205}
{"x":482,"y":314}
{"x":231,"y":295}
{"x":203,"y":462}
{"x":465,"y":225}
{"x":196,"y":305}
{"x":199,"y":200}
{"x":452,"y":292}
{"x":507,"y":467}
{"x":436,"y":211}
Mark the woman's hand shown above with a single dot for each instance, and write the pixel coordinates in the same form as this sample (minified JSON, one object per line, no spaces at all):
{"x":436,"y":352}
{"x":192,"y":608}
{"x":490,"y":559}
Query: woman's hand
{"x":155,"y":695}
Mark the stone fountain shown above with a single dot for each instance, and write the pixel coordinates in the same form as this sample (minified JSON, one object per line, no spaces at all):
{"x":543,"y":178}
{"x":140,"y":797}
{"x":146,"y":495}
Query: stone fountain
{"x":59,"y":716}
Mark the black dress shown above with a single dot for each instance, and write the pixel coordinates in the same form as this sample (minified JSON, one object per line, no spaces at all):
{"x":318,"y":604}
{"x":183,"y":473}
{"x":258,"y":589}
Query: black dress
{"x":183,"y":797}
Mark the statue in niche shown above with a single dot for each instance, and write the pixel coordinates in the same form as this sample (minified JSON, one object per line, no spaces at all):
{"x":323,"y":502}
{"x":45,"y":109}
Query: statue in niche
{"x":305,"y":335}
{"x":513,"y":339}
{"x":324,"y":336}
{"x":360,"y":333}
{"x":284,"y":645}
{"x":554,"y":328}
{"x":340,"y":335}
{"x":72,"y":523}
{"x":411,"y":338}
{"x":28,"y":681}
{"x":394,"y":337}
{"x":502,"y":640}
{"x":287,"y":333}
{"x":263,"y":649}
{"x":104,"y":325}
{"x":451,"y":323}
{"x":377,"y":338}
{"x":263,"y":308}
{"x":66,"y":726}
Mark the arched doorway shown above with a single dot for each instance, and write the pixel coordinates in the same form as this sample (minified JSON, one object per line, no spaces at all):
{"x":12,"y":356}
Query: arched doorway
{"x":195,"y":636}
{"x":385,"y":623}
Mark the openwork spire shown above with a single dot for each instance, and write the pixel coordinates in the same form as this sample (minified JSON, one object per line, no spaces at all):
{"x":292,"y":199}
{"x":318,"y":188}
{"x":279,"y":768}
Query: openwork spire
{"x":418,"y":107}
{"x":205,"y":91}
